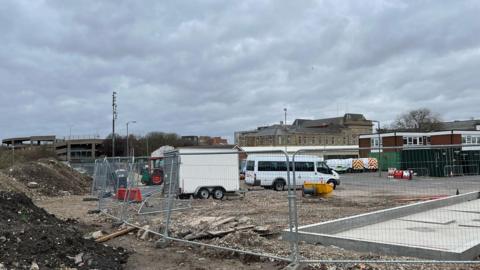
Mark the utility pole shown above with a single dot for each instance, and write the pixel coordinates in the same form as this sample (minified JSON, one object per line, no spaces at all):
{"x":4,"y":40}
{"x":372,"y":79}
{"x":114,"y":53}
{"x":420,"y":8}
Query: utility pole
{"x":379,"y":147}
{"x":114,"y":117}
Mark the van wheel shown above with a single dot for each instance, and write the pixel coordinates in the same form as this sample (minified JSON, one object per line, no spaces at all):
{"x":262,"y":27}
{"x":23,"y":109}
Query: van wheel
{"x":332,"y":183}
{"x":278,"y":185}
{"x":203,"y":193}
{"x":218,"y":193}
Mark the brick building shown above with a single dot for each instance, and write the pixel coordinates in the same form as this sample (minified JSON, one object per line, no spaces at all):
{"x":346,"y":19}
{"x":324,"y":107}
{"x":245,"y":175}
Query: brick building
{"x":205,"y":140}
{"x":439,"y":153}
{"x":329,"y":131}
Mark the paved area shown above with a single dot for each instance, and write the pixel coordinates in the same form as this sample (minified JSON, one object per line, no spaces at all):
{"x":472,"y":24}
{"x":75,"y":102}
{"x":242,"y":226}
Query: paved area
{"x":451,"y":228}
{"x":373,"y":184}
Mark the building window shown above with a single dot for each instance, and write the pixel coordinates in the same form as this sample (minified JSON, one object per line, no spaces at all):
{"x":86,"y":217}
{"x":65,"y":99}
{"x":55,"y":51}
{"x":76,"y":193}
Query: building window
{"x":374,"y":142}
{"x":413,"y":140}
{"x":470,"y":139}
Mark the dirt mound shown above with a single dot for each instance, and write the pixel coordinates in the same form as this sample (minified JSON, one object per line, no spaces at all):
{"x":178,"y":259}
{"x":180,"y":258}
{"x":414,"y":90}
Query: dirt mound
{"x":29,"y":234}
{"x":53,"y":178}
{"x":8,"y":183}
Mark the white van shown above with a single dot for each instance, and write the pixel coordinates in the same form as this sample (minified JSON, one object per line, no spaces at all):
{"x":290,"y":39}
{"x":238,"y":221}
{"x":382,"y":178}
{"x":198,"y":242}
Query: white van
{"x":271,"y":171}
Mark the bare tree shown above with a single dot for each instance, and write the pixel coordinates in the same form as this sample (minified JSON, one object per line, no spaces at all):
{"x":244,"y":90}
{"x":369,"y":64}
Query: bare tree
{"x":418,"y":120}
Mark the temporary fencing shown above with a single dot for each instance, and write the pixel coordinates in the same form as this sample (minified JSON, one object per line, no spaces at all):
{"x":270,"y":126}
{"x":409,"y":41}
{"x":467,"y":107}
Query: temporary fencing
{"x":395,"y":205}
{"x":422,"y":208}
{"x":228,"y":218}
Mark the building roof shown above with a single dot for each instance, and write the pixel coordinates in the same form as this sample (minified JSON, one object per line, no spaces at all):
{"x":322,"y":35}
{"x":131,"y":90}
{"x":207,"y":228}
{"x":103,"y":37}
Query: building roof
{"x":308,"y":126}
{"x":461,"y":125}
{"x":419,"y":133}
{"x":30,"y":138}
{"x":292,"y":149}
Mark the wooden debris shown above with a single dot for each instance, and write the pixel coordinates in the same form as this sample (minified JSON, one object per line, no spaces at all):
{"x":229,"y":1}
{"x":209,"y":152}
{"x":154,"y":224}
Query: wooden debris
{"x":261,"y":229}
{"x":220,"y":233}
{"x":222,"y":221}
{"x":193,"y":236}
{"x":115,"y":234}
{"x":246,"y":227}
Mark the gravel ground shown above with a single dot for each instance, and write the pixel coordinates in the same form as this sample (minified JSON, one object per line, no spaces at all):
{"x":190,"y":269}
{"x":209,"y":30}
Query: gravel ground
{"x":358,"y":193}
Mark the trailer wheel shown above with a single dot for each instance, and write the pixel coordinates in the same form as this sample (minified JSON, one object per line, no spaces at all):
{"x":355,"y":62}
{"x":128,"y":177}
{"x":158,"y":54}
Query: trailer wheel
{"x":203,"y":193}
{"x":218,"y":193}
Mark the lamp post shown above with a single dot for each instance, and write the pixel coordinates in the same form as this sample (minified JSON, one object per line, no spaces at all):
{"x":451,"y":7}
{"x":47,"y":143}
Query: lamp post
{"x":285,"y":128}
{"x":114,"y":117}
{"x":129,"y":122}
{"x":379,"y":147}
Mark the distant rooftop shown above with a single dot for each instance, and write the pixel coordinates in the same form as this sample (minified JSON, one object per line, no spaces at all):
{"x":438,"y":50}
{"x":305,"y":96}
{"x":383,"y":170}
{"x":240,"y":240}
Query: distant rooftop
{"x":461,"y":125}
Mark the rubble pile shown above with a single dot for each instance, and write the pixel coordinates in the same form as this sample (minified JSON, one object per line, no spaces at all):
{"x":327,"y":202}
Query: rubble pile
{"x":31,"y":238}
{"x":208,"y":227}
{"x":45,"y":178}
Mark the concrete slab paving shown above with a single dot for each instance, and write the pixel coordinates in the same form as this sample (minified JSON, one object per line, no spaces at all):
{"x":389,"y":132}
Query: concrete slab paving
{"x":448,"y":237}
{"x":445,"y":229}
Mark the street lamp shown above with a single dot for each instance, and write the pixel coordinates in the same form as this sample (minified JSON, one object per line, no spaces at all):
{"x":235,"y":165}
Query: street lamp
{"x":379,"y":147}
{"x":129,"y":122}
{"x":285,"y":128}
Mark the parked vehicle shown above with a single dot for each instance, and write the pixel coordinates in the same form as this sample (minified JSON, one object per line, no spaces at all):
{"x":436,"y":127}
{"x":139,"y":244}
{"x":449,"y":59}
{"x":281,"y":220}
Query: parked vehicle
{"x":351,"y":165}
{"x":153,"y":173}
{"x":206,"y":172}
{"x":271,"y":171}
{"x":340,"y":165}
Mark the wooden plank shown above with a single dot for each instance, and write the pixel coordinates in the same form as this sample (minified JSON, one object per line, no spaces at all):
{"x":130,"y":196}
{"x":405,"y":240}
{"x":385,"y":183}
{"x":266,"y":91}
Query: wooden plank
{"x":115,"y":234}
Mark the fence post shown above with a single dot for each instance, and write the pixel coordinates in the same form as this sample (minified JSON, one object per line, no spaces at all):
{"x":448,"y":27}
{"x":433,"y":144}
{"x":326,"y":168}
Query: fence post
{"x":163,"y":242}
{"x":293,"y":216}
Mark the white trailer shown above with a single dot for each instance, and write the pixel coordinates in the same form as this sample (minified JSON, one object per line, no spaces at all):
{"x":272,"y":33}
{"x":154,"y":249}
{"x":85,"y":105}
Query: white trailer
{"x":205,"y":172}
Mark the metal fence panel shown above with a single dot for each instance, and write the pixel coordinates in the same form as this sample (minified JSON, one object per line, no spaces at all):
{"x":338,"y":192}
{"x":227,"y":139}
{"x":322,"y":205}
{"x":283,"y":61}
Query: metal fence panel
{"x":418,"y":209}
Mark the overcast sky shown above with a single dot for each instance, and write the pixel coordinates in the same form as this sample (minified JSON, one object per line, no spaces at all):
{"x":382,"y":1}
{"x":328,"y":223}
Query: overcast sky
{"x":215,"y":67}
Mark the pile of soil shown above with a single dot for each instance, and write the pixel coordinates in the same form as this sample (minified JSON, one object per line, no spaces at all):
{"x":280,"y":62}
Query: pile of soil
{"x":8,"y":183}
{"x":29,"y":235}
{"x":54,"y":178}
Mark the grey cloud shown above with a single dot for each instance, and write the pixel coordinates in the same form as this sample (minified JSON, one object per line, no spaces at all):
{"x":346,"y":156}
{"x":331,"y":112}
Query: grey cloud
{"x":213,"y":67}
